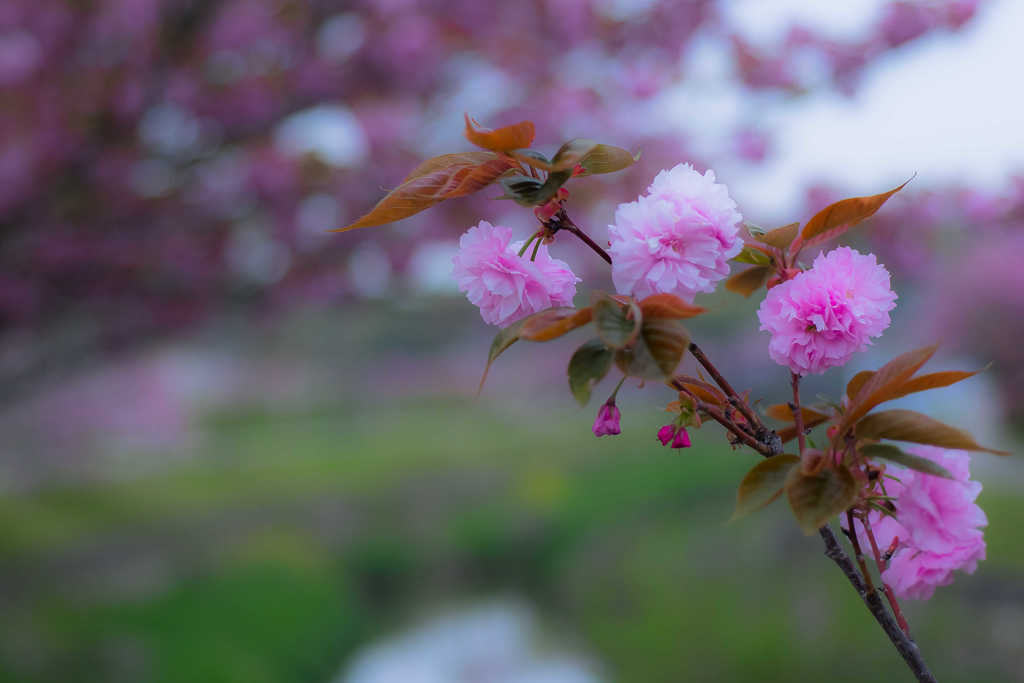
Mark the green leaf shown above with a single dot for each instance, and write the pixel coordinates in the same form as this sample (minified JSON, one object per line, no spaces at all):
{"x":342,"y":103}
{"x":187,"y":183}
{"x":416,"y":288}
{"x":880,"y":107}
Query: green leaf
{"x":522,"y":188}
{"x":908,"y":425}
{"x":505,"y":338}
{"x":610,"y":318}
{"x":763,"y":484}
{"x":572,"y":153}
{"x":879,"y":451}
{"x":753,"y":255}
{"x":606,"y":159}
{"x":817,"y":498}
{"x":588,"y":366}
{"x":657,"y":350}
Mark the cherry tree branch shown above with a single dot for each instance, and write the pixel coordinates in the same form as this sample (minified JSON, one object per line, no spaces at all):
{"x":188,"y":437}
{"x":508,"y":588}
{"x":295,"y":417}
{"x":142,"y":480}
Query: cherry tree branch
{"x":903,"y":643}
{"x":767,"y":443}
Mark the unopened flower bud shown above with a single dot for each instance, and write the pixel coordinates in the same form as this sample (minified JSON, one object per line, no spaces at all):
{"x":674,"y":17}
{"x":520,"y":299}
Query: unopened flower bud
{"x":607,"y":421}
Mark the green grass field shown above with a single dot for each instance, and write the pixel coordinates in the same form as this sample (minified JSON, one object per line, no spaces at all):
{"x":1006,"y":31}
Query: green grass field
{"x":292,"y":539}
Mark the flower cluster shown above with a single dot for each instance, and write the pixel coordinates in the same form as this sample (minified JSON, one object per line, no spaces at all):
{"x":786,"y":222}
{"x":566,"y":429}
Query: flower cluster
{"x":822,"y":316}
{"x":676,"y":239}
{"x":937,"y":526}
{"x":505,"y":286}
{"x":675,"y":436}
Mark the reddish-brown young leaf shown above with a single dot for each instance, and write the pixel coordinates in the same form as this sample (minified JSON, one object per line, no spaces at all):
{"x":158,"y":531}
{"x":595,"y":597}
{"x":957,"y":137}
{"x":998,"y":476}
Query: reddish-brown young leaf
{"x":789,"y":433}
{"x":553,"y":323}
{"x":882,"y":385}
{"x":748,"y":281}
{"x":908,"y":425}
{"x":763,"y":484}
{"x":779,"y":237}
{"x":839,"y":217}
{"x":531,"y":157}
{"x":517,"y":136}
{"x":460,"y":159}
{"x":447,"y":177}
{"x":668,"y":306}
{"x":703,"y":391}
{"x":888,"y":452}
{"x":855,"y":384}
{"x":783,"y":413}
{"x":934,"y":380}
{"x":817,"y":498}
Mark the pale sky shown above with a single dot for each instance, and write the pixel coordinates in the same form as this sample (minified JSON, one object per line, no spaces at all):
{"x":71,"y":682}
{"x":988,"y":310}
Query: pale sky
{"x":949,"y":107}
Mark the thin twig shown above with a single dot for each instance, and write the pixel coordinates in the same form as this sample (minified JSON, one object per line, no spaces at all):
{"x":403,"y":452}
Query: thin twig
{"x":889,"y":595}
{"x":719,"y":417}
{"x":562,"y":221}
{"x":857,"y":551}
{"x":722,"y":419}
{"x":903,"y":643}
{"x":760,"y":432}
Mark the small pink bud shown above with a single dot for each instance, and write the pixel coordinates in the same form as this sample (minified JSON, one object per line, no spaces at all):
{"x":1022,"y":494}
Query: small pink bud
{"x":682,"y":439}
{"x":607,"y":421}
{"x":666,"y":433}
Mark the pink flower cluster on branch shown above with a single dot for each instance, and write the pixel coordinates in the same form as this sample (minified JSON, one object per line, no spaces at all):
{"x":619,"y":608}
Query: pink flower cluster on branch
{"x":505,"y":286}
{"x":822,"y":316}
{"x":676,"y":239}
{"x":937,"y":528}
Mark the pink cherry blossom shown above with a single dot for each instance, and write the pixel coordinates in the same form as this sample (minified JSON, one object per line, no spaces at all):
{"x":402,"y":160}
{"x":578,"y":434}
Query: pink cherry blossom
{"x":607,"y":421}
{"x":938,"y":525}
{"x":676,"y":239}
{"x":824,"y":315}
{"x":504,"y":285}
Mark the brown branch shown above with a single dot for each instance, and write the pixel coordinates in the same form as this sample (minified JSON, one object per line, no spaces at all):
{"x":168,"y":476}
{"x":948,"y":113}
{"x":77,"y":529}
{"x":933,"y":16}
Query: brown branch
{"x":903,"y":643}
{"x":719,"y":417}
{"x":561,"y":221}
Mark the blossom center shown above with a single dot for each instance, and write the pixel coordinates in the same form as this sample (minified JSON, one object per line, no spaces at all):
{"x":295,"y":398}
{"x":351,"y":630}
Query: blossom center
{"x":673,"y":242}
